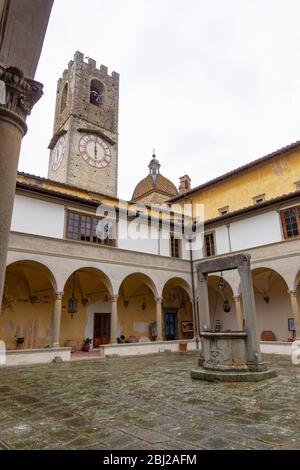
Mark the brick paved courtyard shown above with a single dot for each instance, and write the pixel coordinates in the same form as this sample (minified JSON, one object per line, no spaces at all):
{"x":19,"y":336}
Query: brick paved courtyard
{"x":145,"y":403}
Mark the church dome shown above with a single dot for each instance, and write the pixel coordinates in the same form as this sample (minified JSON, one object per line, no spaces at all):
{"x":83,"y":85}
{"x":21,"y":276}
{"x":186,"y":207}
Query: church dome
{"x":154,"y":182}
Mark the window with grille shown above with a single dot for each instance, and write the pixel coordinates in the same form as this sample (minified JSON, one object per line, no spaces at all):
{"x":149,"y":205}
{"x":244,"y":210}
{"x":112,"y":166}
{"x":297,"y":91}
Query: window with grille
{"x":291,"y":222}
{"x":83,"y":227}
{"x":209,"y":244}
{"x":175,"y":246}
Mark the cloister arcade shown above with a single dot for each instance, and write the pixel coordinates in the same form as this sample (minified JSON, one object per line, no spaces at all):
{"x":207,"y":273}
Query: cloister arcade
{"x":51,"y":304}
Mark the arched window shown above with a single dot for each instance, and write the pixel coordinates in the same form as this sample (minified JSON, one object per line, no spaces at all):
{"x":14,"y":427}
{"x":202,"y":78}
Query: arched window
{"x":64,"y":98}
{"x":96,"y":91}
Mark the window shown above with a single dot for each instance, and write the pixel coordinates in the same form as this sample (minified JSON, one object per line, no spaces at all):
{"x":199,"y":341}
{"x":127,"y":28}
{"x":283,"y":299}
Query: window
{"x":96,"y":91}
{"x":223,"y":210}
{"x":64,"y":98}
{"x":83,"y":227}
{"x":291,"y":222}
{"x":175,"y":246}
{"x":209,"y":244}
{"x":259,"y":199}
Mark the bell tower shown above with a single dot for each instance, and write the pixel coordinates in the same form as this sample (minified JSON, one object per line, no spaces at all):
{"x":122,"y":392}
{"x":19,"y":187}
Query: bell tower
{"x":84,"y":146}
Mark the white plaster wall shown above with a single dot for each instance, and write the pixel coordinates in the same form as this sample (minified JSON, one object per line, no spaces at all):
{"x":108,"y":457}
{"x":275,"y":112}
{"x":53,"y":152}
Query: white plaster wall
{"x":164,"y":243}
{"x":130,"y":237}
{"x":38,"y":217}
{"x":250,"y":232}
{"x":222,"y":240}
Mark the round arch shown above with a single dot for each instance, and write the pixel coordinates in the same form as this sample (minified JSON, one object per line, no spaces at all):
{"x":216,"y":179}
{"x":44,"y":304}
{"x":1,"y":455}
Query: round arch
{"x":27,"y":305}
{"x":178,"y":282}
{"x":27,"y":263}
{"x":93,"y":272}
{"x":273,"y":305}
{"x":222,"y":306}
{"x":141,"y":278}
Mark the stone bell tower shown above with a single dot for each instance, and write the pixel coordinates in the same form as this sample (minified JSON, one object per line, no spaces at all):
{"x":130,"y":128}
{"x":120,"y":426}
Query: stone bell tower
{"x":84,"y":146}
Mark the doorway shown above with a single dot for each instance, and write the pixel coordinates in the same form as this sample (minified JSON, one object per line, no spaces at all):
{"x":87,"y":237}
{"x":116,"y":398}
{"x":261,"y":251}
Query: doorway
{"x":170,"y":325}
{"x":101,"y":329}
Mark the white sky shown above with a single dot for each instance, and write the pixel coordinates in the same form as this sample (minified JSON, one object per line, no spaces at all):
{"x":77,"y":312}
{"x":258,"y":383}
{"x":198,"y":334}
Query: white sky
{"x":211,"y":84}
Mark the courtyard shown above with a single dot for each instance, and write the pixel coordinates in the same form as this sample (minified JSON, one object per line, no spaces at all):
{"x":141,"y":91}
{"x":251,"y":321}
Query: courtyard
{"x":146,"y":403}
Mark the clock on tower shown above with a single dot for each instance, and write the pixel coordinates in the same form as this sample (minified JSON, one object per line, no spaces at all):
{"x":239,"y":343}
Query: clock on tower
{"x":84,"y":146}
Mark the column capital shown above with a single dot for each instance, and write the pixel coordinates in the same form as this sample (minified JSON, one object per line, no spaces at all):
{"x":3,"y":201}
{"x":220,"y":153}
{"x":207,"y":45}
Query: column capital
{"x":20,"y":93}
{"x":293,"y":293}
{"x":158,"y":300}
{"x":114,"y":298}
{"x":237,"y":297}
{"x":58,"y":295}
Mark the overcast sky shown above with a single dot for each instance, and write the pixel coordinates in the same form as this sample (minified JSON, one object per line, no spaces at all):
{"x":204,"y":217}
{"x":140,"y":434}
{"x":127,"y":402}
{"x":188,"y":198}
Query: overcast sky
{"x":211,"y":84}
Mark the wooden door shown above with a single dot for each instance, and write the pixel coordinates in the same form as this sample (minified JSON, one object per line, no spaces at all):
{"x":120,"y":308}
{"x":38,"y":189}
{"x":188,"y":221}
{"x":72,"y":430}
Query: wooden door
{"x":101,"y":329}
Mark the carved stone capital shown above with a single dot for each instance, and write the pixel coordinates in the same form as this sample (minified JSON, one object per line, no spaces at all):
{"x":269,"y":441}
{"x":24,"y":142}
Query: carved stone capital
{"x":58,"y":296}
{"x":20,"y":94}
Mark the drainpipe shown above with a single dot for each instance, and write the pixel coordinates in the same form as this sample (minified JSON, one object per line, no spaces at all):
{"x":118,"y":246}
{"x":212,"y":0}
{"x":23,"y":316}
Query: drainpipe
{"x":229,"y":237}
{"x":195,"y":309}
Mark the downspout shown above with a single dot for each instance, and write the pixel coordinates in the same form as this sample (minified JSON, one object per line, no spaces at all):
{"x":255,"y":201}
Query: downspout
{"x":195,"y":309}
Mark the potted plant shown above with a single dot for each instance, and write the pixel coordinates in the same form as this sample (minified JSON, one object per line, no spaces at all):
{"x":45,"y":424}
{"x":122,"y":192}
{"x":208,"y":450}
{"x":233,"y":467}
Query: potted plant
{"x":86,"y":344}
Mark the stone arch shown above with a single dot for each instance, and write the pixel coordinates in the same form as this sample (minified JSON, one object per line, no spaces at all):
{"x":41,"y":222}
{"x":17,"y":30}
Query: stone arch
{"x":87,"y":292}
{"x":28,"y":262}
{"x":178,"y":281}
{"x":137,"y":296}
{"x":146,"y":280}
{"x":273,"y":305}
{"x":104,"y":276}
{"x":96,"y":91}
{"x":221,"y":296}
{"x":27,"y":305}
{"x":177,"y":305}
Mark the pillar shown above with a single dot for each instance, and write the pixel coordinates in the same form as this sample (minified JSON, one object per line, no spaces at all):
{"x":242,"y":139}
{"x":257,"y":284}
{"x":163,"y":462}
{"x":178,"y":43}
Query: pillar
{"x":56,"y":319}
{"x":238,"y":312}
{"x":254,"y":357}
{"x":295,"y":311}
{"x":159,"y":323}
{"x":114,"y":319}
{"x":20,"y":95}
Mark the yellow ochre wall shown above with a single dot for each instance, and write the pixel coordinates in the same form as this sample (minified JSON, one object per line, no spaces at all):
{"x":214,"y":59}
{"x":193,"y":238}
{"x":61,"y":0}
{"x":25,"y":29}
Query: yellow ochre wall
{"x":274,"y":178}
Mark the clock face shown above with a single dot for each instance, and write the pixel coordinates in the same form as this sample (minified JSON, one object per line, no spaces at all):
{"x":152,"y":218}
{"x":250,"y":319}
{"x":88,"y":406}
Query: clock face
{"x":94,"y":151}
{"x":58,"y":153}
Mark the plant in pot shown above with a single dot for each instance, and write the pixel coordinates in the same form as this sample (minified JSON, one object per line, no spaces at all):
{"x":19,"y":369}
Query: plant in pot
{"x":86,"y":344}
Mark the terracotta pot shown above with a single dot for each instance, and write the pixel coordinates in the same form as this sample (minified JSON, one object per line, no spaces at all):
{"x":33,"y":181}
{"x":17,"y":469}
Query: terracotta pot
{"x":183,"y":347}
{"x":86,"y":347}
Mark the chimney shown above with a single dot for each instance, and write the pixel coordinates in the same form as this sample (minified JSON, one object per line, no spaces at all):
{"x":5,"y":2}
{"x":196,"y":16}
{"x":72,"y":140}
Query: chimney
{"x":185,"y":184}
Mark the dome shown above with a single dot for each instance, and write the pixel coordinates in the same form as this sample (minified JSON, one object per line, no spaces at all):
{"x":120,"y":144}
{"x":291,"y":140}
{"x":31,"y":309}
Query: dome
{"x":159,"y":184}
{"x":154,"y":183}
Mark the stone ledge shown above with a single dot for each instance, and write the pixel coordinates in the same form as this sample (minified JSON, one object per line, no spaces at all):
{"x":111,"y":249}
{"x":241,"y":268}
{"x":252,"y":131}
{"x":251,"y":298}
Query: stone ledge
{"x":220,"y":376}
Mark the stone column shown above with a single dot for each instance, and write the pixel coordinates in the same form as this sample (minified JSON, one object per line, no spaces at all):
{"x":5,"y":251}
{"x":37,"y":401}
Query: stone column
{"x":295,"y":311}
{"x":56,"y":319}
{"x":203,"y":304}
{"x":159,"y":322}
{"x":114,"y":319}
{"x":238,"y":312}
{"x":18,"y":96}
{"x":254,"y":357}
